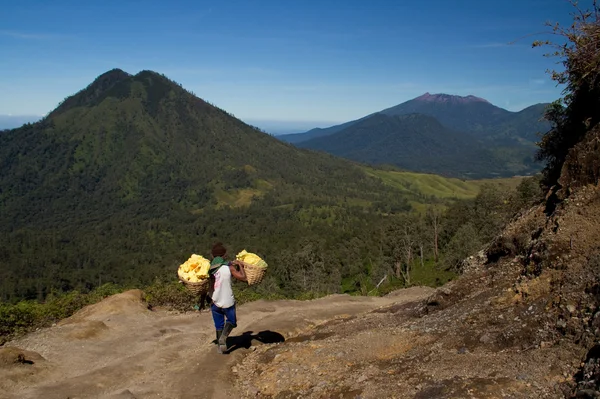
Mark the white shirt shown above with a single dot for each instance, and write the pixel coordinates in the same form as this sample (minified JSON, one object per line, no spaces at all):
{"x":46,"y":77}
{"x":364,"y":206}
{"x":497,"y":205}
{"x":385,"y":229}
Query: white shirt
{"x":223,"y":293}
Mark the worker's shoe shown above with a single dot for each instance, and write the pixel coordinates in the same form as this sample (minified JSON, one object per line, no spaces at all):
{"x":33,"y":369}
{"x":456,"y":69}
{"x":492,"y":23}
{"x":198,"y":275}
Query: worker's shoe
{"x":222,"y":341}
{"x":216,"y":341}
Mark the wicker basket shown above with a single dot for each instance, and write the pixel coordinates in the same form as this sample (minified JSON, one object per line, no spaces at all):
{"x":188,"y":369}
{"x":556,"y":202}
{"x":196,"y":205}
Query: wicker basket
{"x":254,"y":273}
{"x":199,"y":288}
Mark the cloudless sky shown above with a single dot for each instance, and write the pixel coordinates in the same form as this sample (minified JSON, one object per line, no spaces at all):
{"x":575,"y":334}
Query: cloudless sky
{"x":296,"y":61}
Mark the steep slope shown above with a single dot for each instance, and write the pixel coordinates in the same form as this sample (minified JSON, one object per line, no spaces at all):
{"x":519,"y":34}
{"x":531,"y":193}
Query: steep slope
{"x":133,"y":173}
{"x":415,"y":142}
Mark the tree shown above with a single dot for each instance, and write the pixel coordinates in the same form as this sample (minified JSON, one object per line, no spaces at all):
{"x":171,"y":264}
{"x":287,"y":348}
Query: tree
{"x":579,"y":110}
{"x":434,"y":215}
{"x":405,"y":240}
{"x":528,"y":192}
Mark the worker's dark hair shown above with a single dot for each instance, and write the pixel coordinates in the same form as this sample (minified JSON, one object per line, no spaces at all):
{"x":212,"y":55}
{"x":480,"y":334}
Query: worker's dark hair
{"x":218,"y":249}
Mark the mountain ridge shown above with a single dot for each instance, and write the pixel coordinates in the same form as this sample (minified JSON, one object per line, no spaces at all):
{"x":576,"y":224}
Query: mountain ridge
{"x":510,"y":136}
{"x":416,"y":105}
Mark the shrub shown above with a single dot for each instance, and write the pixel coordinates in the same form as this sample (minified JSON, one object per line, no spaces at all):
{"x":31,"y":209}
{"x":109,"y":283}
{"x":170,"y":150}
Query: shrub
{"x":171,"y":294}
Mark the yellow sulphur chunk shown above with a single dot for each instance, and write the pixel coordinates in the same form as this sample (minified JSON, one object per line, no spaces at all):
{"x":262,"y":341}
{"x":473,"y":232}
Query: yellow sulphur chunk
{"x":194,"y":269}
{"x":251,"y":258}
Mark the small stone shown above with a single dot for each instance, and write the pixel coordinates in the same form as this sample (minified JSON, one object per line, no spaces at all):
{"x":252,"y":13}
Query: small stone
{"x":486,"y":338}
{"x":571,"y":308}
{"x":253,"y":391}
{"x":462,"y":351}
{"x":234,"y":369}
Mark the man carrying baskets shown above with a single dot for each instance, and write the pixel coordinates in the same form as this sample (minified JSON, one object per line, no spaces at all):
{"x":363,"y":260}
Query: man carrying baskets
{"x":223,"y":302}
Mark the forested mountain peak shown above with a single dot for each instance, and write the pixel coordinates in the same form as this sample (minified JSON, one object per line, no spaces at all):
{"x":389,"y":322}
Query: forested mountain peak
{"x":89,"y":95}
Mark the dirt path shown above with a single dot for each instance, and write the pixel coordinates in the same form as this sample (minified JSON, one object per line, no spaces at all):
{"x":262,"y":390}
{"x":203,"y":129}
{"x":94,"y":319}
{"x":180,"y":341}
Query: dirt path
{"x":119,"y":349}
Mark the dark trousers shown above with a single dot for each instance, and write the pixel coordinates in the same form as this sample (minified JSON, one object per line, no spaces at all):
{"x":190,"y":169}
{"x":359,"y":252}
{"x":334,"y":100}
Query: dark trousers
{"x":220,"y":314}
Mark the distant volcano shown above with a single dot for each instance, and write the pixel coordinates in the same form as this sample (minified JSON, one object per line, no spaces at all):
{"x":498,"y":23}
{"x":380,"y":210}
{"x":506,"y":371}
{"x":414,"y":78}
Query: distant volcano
{"x":449,"y":98}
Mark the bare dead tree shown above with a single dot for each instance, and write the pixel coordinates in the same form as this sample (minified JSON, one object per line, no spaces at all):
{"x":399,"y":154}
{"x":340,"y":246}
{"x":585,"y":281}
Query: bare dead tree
{"x":435,"y":216}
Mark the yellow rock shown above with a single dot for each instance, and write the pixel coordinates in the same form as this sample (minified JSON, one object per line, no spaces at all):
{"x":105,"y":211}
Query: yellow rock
{"x":194,"y":269}
{"x":253,"y":259}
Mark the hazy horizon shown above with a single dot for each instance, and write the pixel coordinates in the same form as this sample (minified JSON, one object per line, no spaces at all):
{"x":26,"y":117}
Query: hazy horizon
{"x":308,"y":61}
{"x":275,"y":127}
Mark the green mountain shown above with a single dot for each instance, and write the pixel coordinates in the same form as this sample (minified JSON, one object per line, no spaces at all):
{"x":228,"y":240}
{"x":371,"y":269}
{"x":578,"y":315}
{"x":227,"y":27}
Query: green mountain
{"x":415,"y":142}
{"x":509,"y":136}
{"x":128,"y":177}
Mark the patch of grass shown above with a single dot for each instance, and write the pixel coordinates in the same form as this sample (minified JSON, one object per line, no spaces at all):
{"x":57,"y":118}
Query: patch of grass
{"x":263,"y":185}
{"x":431,"y":274}
{"x":237,"y":198}
{"x":172,"y":295}
{"x":423,"y":187}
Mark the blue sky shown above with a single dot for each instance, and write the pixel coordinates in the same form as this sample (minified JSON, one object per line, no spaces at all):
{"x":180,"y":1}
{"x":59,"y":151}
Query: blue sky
{"x":303,"y":62}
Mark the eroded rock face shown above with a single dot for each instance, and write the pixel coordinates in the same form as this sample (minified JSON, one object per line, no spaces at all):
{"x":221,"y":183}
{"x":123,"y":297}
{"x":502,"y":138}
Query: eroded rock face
{"x":582,"y":166}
